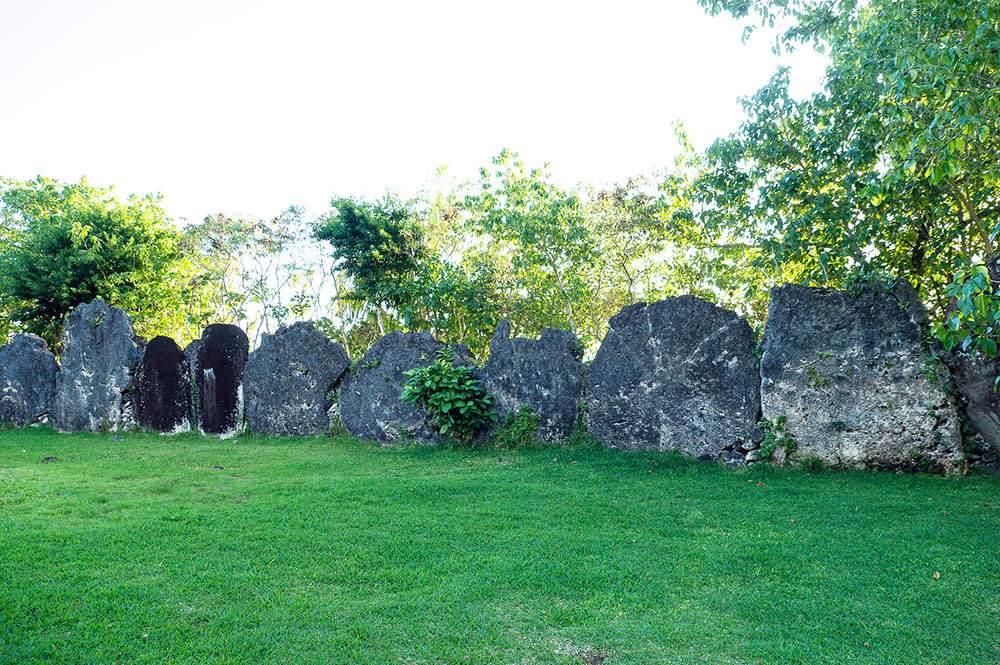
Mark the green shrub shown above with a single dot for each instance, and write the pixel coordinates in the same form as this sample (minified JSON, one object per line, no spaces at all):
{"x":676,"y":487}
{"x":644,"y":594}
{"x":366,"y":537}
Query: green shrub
{"x":451,"y":395}
{"x":519,"y":429}
{"x":776,"y":436}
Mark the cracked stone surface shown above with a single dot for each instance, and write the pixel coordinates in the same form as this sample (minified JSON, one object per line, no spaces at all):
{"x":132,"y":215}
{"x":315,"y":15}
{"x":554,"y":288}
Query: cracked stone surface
{"x":222,"y":356}
{"x":544,"y":374}
{"x":370,"y":407}
{"x":290,"y":379}
{"x":162,"y":397}
{"x":27,"y":381}
{"x":852,"y":377}
{"x":93,"y":388}
{"x":678,"y":374}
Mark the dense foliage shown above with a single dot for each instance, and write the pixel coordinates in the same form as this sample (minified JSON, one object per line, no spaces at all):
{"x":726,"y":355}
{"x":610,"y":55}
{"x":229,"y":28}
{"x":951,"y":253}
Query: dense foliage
{"x":64,"y":244}
{"x":451,"y":394}
{"x":890,"y":171}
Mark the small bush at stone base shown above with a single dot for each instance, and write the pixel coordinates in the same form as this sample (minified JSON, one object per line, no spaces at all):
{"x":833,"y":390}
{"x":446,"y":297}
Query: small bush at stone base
{"x":451,"y":395}
{"x":519,"y":429}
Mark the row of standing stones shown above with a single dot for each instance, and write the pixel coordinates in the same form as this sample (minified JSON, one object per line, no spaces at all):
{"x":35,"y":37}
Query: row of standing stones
{"x":849,"y":376}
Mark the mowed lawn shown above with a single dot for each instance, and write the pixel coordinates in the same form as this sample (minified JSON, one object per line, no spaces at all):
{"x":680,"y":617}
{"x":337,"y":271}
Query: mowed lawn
{"x":194,"y":550}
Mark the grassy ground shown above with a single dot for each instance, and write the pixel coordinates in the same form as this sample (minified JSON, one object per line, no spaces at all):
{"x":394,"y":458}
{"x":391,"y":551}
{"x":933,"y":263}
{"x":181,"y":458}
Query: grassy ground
{"x":192,"y":550}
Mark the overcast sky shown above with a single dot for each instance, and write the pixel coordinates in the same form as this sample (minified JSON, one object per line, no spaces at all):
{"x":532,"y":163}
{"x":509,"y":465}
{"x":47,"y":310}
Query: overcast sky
{"x":249,"y":107}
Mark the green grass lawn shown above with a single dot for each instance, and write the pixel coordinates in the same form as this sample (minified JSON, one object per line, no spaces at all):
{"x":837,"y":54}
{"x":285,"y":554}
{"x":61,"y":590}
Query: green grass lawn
{"x":193,"y":550}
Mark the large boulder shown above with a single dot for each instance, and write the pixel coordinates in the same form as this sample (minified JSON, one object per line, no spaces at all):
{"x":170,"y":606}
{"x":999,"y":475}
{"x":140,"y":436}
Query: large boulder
{"x":162,"y":395}
{"x":847,"y":376}
{"x":975,"y":377}
{"x":370,"y":407}
{"x":289,"y":381}
{"x":679,"y":374}
{"x":544,"y":374}
{"x":27,"y":381}
{"x":93,"y":388}
{"x":222,"y":356}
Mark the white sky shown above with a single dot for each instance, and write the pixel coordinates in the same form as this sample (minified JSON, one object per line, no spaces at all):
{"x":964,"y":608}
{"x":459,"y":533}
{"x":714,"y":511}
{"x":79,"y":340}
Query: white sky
{"x":249,"y":107}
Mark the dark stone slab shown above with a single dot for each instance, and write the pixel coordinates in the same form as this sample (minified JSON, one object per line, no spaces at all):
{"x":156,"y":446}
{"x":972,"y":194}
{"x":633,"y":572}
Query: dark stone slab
{"x":290,"y":379}
{"x":851,"y":376}
{"x":975,"y":378}
{"x":99,"y":358}
{"x":222,"y":356}
{"x":27,"y":381}
{"x":162,"y":396}
{"x":679,"y":374}
{"x":544,"y":374}
{"x":370,"y":406}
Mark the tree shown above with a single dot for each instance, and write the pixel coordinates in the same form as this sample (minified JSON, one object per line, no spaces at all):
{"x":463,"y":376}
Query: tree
{"x":395,"y":275}
{"x":891,"y":171}
{"x":71,"y":243}
{"x":522,"y":215}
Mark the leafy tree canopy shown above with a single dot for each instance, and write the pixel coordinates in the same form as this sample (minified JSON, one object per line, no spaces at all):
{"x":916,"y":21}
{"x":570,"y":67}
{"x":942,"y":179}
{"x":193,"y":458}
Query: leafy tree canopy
{"x":890,"y":171}
{"x":70,"y":243}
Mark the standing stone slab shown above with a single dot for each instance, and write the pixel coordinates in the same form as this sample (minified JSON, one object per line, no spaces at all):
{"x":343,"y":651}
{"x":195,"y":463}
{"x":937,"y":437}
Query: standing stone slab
{"x":850,"y":375}
{"x":289,"y":380}
{"x":100,"y":354}
{"x":975,"y":377}
{"x":162,"y":395}
{"x":546,"y":375}
{"x":370,"y":407}
{"x":27,"y":381}
{"x":679,"y":374}
{"x":222,"y":355}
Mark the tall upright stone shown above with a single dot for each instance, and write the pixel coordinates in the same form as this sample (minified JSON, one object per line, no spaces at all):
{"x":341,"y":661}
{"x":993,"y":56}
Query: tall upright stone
{"x":975,"y":376}
{"x":678,"y":374}
{"x":98,"y":362}
{"x":544,"y":374}
{"x":290,"y":379}
{"x":27,"y":381}
{"x":222,"y":356}
{"x":848,"y":377}
{"x":162,"y":395}
{"x":370,"y":407}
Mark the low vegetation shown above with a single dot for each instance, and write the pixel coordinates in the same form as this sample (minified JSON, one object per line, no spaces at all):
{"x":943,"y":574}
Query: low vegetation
{"x":194,"y":550}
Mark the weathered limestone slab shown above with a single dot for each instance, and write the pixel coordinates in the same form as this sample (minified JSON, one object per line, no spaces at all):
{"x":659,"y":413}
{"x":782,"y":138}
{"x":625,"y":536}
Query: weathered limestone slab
{"x":27,"y":381}
{"x":370,"y":406}
{"x":162,"y":396}
{"x":678,"y":374}
{"x":289,"y":380}
{"x":544,"y":374}
{"x":851,"y":376}
{"x":222,"y":356}
{"x":975,"y":378}
{"x":98,"y":361}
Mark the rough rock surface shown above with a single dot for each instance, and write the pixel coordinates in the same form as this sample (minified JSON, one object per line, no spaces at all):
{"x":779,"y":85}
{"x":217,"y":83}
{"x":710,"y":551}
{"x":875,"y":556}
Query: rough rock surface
{"x":93,"y":388}
{"x":191,"y":353}
{"x":678,"y":374}
{"x":850,"y":375}
{"x":27,"y":381}
{"x":289,"y":380}
{"x":222,"y":356}
{"x":370,"y":406}
{"x":162,"y":395}
{"x":544,"y":374}
{"x":975,"y":376}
